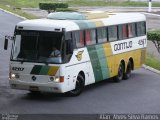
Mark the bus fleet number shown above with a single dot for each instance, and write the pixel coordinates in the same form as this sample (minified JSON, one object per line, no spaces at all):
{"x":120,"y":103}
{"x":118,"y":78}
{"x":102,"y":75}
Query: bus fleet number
{"x":142,"y":42}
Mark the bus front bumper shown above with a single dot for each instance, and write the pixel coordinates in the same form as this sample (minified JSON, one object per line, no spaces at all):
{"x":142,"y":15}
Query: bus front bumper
{"x":33,"y":86}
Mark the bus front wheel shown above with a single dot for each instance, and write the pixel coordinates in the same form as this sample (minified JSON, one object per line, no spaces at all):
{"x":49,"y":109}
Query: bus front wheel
{"x":120,"y":74}
{"x":79,"y":86}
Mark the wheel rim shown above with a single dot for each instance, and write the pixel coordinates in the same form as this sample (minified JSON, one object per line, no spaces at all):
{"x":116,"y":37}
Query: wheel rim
{"x":120,"y":72}
{"x":129,"y":69}
{"x":78,"y":87}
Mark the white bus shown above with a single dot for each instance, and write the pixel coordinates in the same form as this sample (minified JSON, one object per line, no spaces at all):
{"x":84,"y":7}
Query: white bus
{"x":91,"y":47}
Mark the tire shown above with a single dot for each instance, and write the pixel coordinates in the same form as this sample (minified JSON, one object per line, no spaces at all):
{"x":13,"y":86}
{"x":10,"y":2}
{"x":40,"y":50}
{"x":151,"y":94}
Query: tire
{"x":34,"y":92}
{"x":79,"y":86}
{"x":119,"y":77}
{"x":127,"y":75}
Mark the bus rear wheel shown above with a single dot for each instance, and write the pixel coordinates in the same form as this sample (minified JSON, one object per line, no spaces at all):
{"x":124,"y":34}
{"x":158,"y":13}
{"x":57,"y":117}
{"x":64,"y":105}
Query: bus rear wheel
{"x":119,"y":77}
{"x":127,"y":75}
{"x":79,"y":86}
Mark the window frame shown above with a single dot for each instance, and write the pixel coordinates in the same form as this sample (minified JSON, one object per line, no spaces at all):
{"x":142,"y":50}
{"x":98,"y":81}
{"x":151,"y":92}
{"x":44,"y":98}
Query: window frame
{"x":74,"y":39}
{"x":108,"y":32}
{"x":141,"y":34}
{"x":90,"y":36}
{"x":106,"y":35}
{"x":135,"y":30}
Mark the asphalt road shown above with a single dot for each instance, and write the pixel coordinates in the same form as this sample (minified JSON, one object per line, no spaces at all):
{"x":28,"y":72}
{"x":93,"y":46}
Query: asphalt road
{"x":140,"y":94}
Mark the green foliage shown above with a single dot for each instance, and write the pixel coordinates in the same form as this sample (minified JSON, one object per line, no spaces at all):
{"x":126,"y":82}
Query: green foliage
{"x":154,"y":35}
{"x":153,"y":61}
{"x":52,"y":6}
{"x":66,"y":10}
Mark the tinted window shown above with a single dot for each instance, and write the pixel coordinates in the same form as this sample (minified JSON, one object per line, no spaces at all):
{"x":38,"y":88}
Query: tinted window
{"x":131,"y":30}
{"x":141,"y":28}
{"x":36,"y":46}
{"x":90,"y":37}
{"x":112,"y":33}
{"x":79,"y":38}
{"x":101,"y":35}
{"x":120,"y":32}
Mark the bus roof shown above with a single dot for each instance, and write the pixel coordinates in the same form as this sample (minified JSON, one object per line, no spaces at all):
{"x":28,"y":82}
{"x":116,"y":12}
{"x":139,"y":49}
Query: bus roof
{"x":79,"y":21}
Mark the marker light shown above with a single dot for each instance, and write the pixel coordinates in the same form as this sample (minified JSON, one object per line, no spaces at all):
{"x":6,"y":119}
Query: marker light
{"x":59,"y":79}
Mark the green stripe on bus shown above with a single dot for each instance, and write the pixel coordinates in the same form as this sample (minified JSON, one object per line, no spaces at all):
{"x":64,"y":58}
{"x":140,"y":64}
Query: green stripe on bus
{"x":44,"y":70}
{"x":36,"y":69}
{"x":95,"y":63}
{"x":102,"y":60}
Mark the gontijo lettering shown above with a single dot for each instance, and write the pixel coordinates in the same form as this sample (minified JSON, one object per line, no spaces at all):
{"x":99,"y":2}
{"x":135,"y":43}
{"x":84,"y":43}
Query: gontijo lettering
{"x":123,"y":45}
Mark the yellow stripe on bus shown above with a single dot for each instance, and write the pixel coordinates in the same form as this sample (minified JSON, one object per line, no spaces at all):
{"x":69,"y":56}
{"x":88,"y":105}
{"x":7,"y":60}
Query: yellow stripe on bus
{"x":53,"y":70}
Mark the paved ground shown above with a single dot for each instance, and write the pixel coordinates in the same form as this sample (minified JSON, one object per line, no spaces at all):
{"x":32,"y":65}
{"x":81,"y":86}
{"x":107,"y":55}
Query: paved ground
{"x":140,"y":94}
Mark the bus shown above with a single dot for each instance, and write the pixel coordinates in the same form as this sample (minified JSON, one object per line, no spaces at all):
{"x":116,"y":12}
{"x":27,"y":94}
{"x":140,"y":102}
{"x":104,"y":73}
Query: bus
{"x":92,"y":46}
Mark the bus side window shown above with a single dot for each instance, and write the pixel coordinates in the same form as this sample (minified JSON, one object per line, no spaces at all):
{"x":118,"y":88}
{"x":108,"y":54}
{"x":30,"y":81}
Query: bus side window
{"x":131,"y":30}
{"x":120,"y":32}
{"x":82,"y":38}
{"x":87,"y":37}
{"x":68,"y":47}
{"x":78,"y":36}
{"x":141,"y":28}
{"x":102,"y":35}
{"x":90,"y":37}
{"x":125,"y":32}
{"x":69,"y":43}
{"x":112,"y":33}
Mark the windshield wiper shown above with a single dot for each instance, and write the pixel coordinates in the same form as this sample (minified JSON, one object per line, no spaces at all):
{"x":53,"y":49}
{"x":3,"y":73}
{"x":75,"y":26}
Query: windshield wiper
{"x":21,"y":60}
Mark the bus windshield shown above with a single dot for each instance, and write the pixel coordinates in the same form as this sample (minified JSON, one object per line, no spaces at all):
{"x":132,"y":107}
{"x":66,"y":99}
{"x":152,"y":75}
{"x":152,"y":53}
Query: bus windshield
{"x":37,"y":46}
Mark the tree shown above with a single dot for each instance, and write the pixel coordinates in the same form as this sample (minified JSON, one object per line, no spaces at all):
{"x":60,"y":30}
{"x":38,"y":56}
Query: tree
{"x":52,"y":6}
{"x":154,"y":36}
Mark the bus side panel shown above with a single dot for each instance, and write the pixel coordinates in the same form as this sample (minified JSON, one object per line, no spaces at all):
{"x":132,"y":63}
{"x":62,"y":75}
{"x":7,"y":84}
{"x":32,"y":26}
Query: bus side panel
{"x":113,"y":61}
{"x":138,"y":57}
{"x":110,"y":59}
{"x":143,"y":56}
{"x":99,"y":62}
{"x":79,"y":62}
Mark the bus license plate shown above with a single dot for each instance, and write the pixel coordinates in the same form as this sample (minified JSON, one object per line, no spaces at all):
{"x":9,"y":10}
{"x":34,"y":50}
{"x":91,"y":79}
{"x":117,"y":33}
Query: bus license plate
{"x":33,"y":88}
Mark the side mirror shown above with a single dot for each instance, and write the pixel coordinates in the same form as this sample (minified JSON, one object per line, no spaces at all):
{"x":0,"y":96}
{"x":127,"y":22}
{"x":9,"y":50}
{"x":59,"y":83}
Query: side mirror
{"x":6,"y":43}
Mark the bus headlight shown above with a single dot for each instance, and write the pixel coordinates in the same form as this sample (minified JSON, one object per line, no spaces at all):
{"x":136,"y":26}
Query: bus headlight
{"x":56,"y":79}
{"x":14,"y":76}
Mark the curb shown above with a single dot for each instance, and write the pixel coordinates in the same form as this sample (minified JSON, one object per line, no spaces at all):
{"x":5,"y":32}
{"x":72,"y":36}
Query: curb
{"x":157,"y":15}
{"x":150,"y":69}
{"x":13,"y":14}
